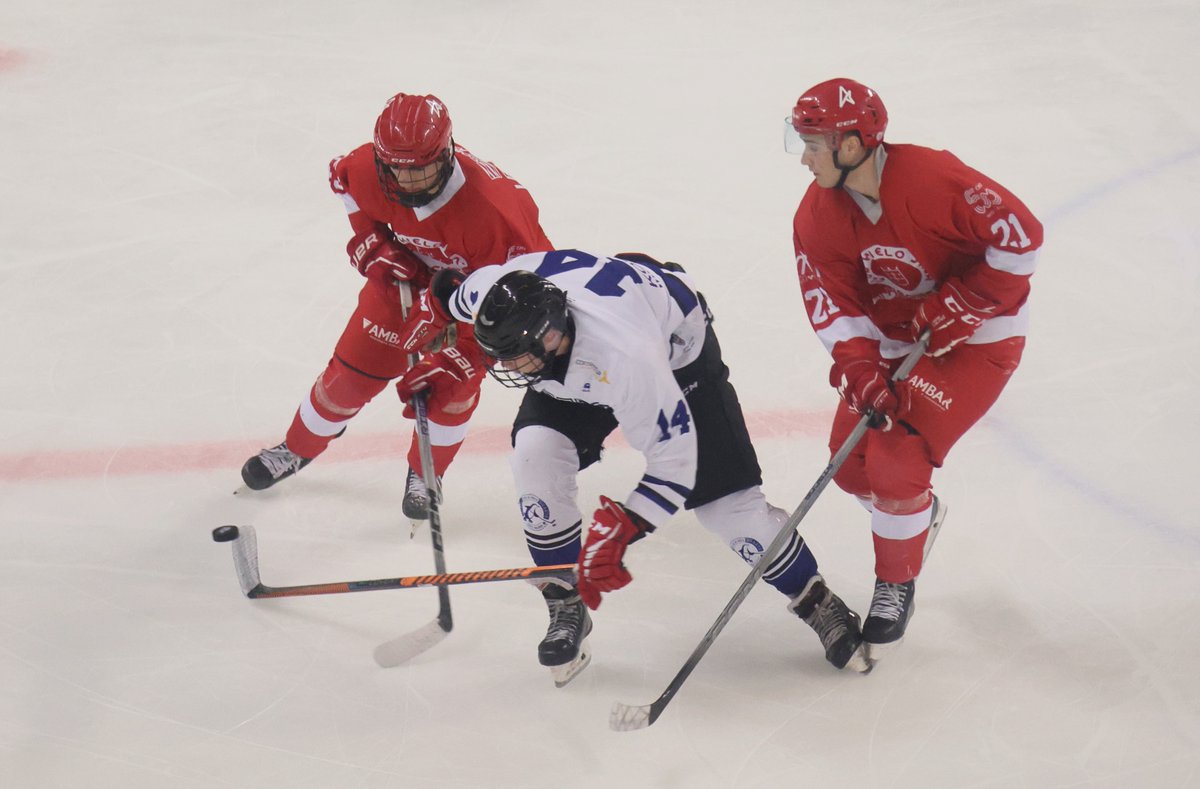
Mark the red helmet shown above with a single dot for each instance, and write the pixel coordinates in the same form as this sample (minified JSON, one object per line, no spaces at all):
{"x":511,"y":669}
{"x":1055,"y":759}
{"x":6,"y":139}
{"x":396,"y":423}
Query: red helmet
{"x":839,"y":106}
{"x":414,"y":132}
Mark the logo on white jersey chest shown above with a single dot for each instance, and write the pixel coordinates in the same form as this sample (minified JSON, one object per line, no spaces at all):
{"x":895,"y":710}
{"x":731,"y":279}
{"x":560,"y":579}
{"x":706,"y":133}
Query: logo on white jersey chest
{"x":896,"y":268}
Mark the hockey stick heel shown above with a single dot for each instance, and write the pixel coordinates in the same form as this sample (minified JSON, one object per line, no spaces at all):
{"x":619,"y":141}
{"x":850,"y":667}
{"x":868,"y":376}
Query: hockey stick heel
{"x":407,"y":646}
{"x":626,"y":717}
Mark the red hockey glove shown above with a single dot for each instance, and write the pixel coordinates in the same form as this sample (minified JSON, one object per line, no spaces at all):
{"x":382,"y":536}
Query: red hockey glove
{"x":430,"y":314}
{"x":952,"y":313}
{"x":379,"y":257}
{"x":866,"y":384}
{"x":600,"y":568}
{"x":446,"y":374}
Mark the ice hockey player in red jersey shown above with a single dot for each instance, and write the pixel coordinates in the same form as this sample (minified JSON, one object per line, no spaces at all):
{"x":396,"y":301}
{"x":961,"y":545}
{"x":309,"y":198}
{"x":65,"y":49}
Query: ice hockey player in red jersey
{"x":892,"y":240}
{"x":417,"y":203}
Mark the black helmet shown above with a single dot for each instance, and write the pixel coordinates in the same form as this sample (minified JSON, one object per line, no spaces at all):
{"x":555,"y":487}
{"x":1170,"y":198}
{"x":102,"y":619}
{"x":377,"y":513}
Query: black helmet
{"x":512,"y":320}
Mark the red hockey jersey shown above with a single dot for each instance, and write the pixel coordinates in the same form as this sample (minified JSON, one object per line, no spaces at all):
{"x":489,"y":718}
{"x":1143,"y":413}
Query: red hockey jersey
{"x":865,"y":267}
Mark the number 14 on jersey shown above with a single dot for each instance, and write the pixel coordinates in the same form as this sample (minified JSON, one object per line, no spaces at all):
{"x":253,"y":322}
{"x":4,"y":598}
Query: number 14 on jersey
{"x":680,"y":422}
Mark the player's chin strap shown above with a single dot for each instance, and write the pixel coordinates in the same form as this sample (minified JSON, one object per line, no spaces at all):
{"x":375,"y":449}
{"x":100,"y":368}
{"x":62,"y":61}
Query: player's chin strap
{"x":847,"y":169}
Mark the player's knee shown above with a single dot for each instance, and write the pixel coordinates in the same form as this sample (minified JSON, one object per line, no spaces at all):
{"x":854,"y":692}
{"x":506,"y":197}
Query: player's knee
{"x":852,"y":478}
{"x":543,"y":458}
{"x":899,"y":471}
{"x":744,"y":521}
{"x":342,"y":390}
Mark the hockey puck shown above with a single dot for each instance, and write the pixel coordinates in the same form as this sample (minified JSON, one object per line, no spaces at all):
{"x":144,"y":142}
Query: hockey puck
{"x":225,"y":534}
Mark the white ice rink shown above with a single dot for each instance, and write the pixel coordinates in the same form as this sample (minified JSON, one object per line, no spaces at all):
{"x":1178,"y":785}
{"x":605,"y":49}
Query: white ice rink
{"x":173,"y":278}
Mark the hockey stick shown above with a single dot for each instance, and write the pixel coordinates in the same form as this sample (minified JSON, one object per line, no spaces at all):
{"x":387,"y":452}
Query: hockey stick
{"x":625,"y":717}
{"x":408,"y":645}
{"x":245,"y":562}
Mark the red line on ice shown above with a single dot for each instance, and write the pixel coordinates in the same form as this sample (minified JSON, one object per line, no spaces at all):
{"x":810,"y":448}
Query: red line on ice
{"x":124,"y":461}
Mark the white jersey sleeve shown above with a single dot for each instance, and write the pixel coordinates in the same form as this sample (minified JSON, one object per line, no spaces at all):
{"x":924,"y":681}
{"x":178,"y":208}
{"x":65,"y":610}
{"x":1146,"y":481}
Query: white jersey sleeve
{"x":655,"y":420}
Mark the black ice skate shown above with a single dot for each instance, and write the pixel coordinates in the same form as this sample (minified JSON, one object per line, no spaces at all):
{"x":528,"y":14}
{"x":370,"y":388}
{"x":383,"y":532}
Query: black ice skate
{"x":416,"y":497}
{"x":415,"y":504}
{"x":564,"y":649}
{"x":891,"y":608}
{"x":836,"y":625}
{"x":271,"y":465}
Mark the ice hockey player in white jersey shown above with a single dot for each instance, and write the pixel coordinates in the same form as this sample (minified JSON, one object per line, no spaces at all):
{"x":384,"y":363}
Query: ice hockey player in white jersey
{"x":602,"y":341}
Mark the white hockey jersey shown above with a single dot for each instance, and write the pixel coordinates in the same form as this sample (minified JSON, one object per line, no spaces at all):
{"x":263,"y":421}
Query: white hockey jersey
{"x":635,"y":324}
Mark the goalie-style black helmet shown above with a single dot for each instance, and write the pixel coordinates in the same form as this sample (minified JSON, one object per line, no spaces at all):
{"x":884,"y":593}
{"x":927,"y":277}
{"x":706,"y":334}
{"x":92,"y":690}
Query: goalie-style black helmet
{"x":512,"y":321}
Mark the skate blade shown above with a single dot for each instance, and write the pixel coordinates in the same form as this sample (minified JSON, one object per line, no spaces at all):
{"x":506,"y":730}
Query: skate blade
{"x":414,"y":527}
{"x":876,"y":652}
{"x":568,"y":671}
{"x":860,"y":661}
{"x":934,"y":528}
{"x":242,"y":489}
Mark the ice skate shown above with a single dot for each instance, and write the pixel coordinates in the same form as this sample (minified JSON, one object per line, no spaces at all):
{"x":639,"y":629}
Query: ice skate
{"x":891,"y":608}
{"x":415,"y":504}
{"x":836,"y":625}
{"x":416,"y":498}
{"x":564,"y":649}
{"x":271,"y":465}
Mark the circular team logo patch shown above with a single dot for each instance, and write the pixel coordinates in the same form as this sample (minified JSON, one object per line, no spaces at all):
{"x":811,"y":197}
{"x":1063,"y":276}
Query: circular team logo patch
{"x":747,"y":548}
{"x":535,"y":513}
{"x":897,"y":268}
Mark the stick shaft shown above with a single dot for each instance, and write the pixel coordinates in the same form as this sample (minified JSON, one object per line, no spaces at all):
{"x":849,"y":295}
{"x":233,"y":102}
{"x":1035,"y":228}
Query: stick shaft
{"x":440,"y":580}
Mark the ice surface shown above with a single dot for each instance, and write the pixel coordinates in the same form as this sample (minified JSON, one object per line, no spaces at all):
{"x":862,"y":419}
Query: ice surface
{"x":172,"y":279}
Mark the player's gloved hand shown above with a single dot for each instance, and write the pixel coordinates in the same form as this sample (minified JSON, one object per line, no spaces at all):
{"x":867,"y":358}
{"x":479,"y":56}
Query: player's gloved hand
{"x":866,"y":384}
{"x":379,"y":257}
{"x":952,"y":313}
{"x":430,"y":314}
{"x":600,"y":568}
{"x":448,"y":375}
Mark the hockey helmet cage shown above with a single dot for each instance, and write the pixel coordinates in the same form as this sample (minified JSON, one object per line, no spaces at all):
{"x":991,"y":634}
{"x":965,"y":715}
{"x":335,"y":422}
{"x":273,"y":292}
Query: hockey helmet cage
{"x":513,"y":319}
{"x":413,"y":132}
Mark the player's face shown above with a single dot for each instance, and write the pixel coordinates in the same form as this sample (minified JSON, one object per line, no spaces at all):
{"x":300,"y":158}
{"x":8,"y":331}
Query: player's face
{"x":527,"y":363}
{"x":417,"y":179}
{"x":818,"y":158}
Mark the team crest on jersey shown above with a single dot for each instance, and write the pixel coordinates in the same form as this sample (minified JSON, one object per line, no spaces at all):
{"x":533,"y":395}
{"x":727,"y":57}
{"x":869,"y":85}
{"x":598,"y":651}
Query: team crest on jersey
{"x":747,"y":548}
{"x":897,"y":268}
{"x":535,"y":513}
{"x":930,"y":392}
{"x":601,"y":375}
{"x":433,"y":253}
{"x":377,"y":332}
